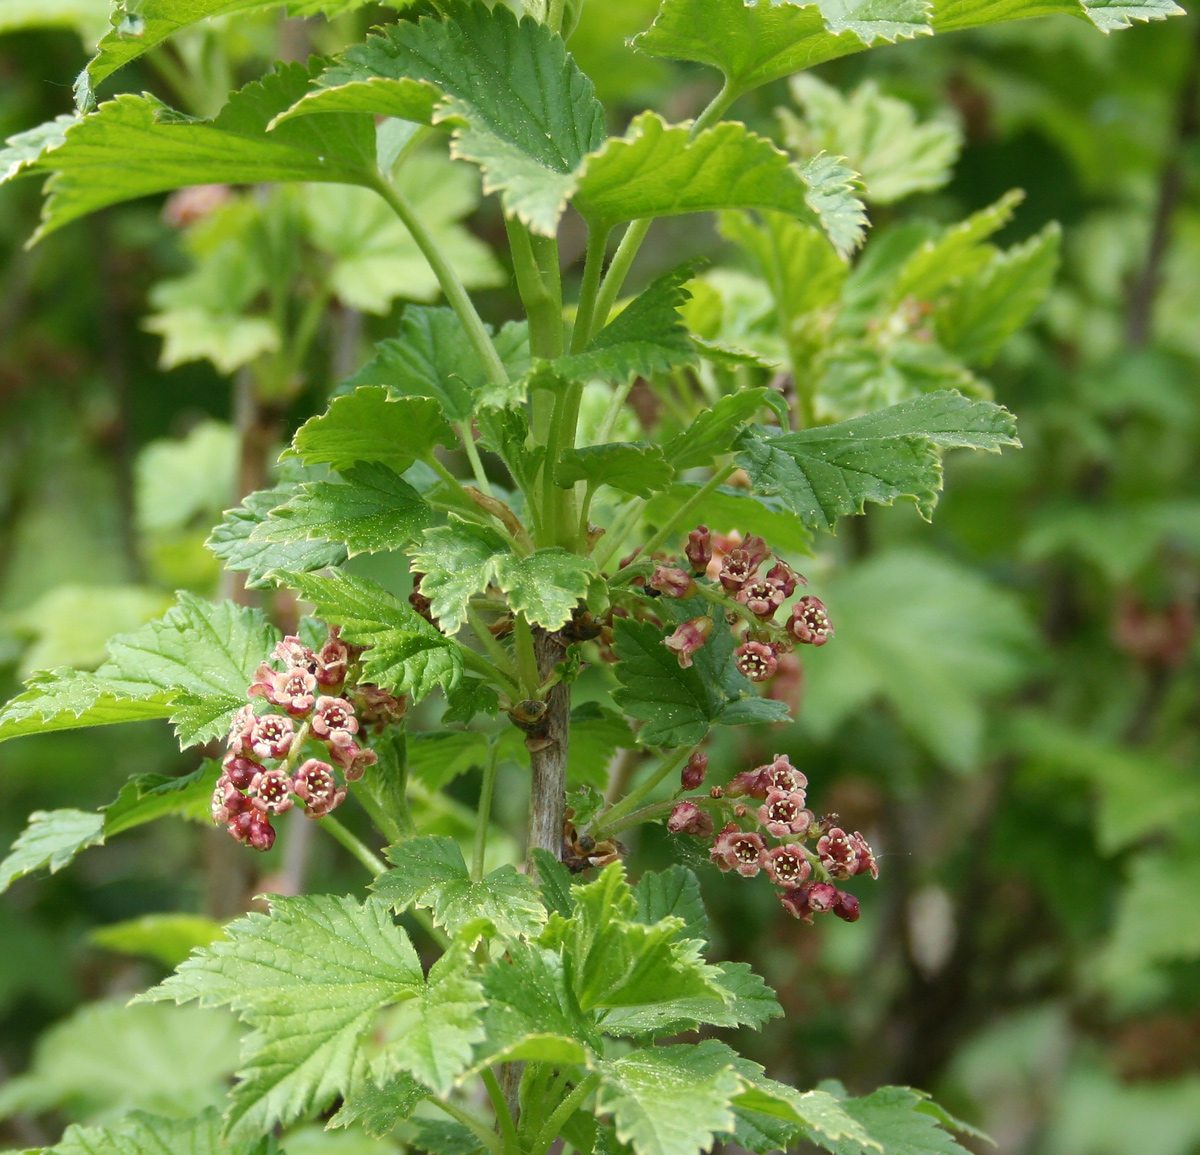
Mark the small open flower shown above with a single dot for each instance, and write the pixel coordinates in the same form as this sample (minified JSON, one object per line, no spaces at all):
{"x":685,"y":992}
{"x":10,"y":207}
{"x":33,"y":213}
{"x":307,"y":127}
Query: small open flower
{"x":672,"y":582}
{"x":293,"y":652}
{"x":809,"y":622}
{"x":294,"y":689}
{"x":736,"y":570}
{"x":699,"y":548}
{"x":755,"y":660}
{"x":739,"y":850}
{"x":787,"y":865}
{"x":864,"y":857}
{"x":333,"y":721}
{"x":227,"y":801}
{"x":332,"y":662}
{"x":352,"y":758}
{"x":271,"y":736}
{"x":783,"y":814}
{"x":316,"y":787}
{"x":845,"y":855}
{"x":761,"y":597}
{"x":688,"y":818}
{"x":780,"y":774}
{"x":786,"y":578}
{"x":271,"y":792}
{"x":688,"y":638}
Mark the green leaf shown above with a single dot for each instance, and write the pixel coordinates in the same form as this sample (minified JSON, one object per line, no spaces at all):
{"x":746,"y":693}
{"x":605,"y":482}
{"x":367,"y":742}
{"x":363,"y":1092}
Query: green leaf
{"x":894,"y":1118}
{"x":659,"y":170}
{"x":645,"y":337}
{"x":445,"y":1137}
{"x":670,"y":1100}
{"x":678,"y":705}
{"x":166,"y":938}
{"x":672,"y":892}
{"x":519,"y":105}
{"x":52,"y":838}
{"x":727,"y":509}
{"x":772,"y":1115}
{"x":433,"y":358}
{"x":830,"y":471}
{"x":310,"y":978}
{"x":546,"y":585}
{"x":91,"y":168}
{"x":715,"y":430}
{"x":930,"y":637}
{"x":108,"y":1057}
{"x":373,"y":510}
{"x":432,"y":873}
{"x":377,"y":1109}
{"x":440,"y":756}
{"x":146,"y":797}
{"x":233,"y":541}
{"x":457,"y":561}
{"x":368,"y":426}
{"x":24,"y":148}
{"x":637,"y":469}
{"x":470,"y":697}
{"x":192,"y":665}
{"x":139,"y":1133}
{"x":977,"y":318}
{"x":597,"y":732}
{"x":875,"y":20}
{"x":554,"y":881}
{"x":407,"y":654}
{"x":433,"y":1035}
{"x":878,"y":136}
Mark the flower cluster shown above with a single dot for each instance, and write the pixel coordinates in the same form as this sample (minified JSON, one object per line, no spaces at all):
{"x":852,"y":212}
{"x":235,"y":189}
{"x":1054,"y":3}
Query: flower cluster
{"x":743,"y":575}
{"x":809,"y":855}
{"x":313,"y":703}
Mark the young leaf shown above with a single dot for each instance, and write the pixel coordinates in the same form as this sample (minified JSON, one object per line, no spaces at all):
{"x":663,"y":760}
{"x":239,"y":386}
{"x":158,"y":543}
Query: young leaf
{"x":147,"y":797}
{"x":166,"y":938}
{"x":827,"y":472}
{"x":659,"y":170}
{"x":715,"y":430}
{"x":440,"y":756}
{"x":407,"y":654}
{"x":91,"y":168}
{"x":546,"y":585}
{"x":895,"y":1118}
{"x":776,"y":1114}
{"x":24,"y":148}
{"x":645,"y":337}
{"x":373,"y":510}
{"x":597,"y":732}
{"x":637,"y":469}
{"x":192,"y":665}
{"x":377,"y":1109}
{"x":432,"y":873}
{"x":727,"y":509}
{"x":52,"y":838}
{"x":367,"y":425}
{"x":433,"y":358}
{"x":432,"y":1036}
{"x":309,"y":978}
{"x":139,"y":1133}
{"x":457,"y":562}
{"x":672,"y":892}
{"x":233,"y":540}
{"x":521,"y":108}
{"x":670,"y":1100}
{"x":470,"y":697}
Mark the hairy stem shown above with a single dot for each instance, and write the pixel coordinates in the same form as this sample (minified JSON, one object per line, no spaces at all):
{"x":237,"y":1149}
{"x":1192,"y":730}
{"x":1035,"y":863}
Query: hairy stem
{"x":542,"y":306}
{"x":615,"y":813}
{"x":593,"y":266}
{"x":548,"y":754}
{"x":485,"y":1135}
{"x":563,"y":1112}
{"x":484,"y":818}
{"x":508,"y":1129}
{"x":468,"y":441}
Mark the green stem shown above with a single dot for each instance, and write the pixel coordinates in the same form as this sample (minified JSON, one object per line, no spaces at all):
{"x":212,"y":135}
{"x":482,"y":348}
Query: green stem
{"x":508,"y":1129}
{"x":584,"y":509}
{"x":456,"y":294}
{"x":527,"y":662}
{"x":393,"y":828}
{"x":563,"y":1112}
{"x":622,"y":524}
{"x":681,"y":515}
{"x":375,"y":865}
{"x":715,"y":108}
{"x":620,"y":393}
{"x":618,"y":811}
{"x":555,"y":18}
{"x":485,"y":1135}
{"x":487,"y":640}
{"x":593,"y":266}
{"x":544,"y":311}
{"x":468,"y":440}
{"x":480,"y":665}
{"x":485,"y":809}
{"x":656,"y":809}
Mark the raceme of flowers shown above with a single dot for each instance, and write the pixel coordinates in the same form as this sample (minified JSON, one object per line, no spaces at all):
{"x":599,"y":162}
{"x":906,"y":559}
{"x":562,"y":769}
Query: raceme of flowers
{"x":807,"y":856}
{"x":314,"y":706}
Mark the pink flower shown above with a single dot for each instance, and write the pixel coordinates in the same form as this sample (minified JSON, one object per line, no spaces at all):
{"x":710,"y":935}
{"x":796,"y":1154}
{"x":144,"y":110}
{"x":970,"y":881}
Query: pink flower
{"x":243,"y":725}
{"x":691,"y":777}
{"x":271,"y":736}
{"x":332,"y":661}
{"x":787,"y":866}
{"x":672,"y":582}
{"x":352,"y":758}
{"x":786,"y":578}
{"x":755,"y":550}
{"x":738,"y":850}
{"x":839,"y":854}
{"x":688,"y":818}
{"x":688,"y":638}
{"x":315,"y":785}
{"x":736,"y":570}
{"x":755,"y":660}
{"x":293,"y":652}
{"x":334,"y":721}
{"x":809,"y":622}
{"x":227,"y":801}
{"x":294,"y":689}
{"x":864,"y":857}
{"x":699,"y":548}
{"x":809,"y":899}
{"x":783,"y":813}
{"x":271,"y":792}
{"x":761,"y":597}
{"x":822,"y":897}
{"x":780,"y":774}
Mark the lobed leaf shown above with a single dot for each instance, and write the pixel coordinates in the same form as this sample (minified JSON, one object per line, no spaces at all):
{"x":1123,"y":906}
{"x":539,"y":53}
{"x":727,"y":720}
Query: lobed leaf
{"x":51,"y":839}
{"x":546,"y":586}
{"x":140,"y":1133}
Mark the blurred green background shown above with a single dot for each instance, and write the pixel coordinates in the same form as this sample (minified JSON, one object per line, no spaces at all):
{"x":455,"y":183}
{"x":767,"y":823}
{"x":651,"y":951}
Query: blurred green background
{"x":1010,"y":708}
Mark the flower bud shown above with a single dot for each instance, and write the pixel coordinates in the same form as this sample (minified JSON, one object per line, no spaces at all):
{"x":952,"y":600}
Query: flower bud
{"x":688,"y":818}
{"x":822,"y":897}
{"x":260,"y":834}
{"x":672,"y":582}
{"x":809,"y":622}
{"x":756,"y":551}
{"x":688,"y":638}
{"x":691,"y":777}
{"x":240,"y":771}
{"x":699,"y":548}
{"x":755,"y":660}
{"x":846,"y":907}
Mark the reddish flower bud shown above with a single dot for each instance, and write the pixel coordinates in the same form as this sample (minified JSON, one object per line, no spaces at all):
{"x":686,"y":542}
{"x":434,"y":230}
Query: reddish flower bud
{"x":846,"y":907}
{"x":699,"y":548}
{"x":688,"y":638}
{"x":688,"y":818}
{"x":787,"y":865}
{"x":761,"y":597}
{"x":260,"y":834}
{"x":783,"y":814}
{"x":749,"y":782}
{"x":785,"y":578}
{"x":756,"y":551}
{"x":227,"y":801}
{"x":691,"y":777}
{"x":271,"y":792}
{"x":672,"y":582}
{"x":317,"y":788}
{"x":809,"y":622}
{"x":333,"y":721}
{"x":271,"y":736}
{"x":755,"y":660}
{"x":738,"y":850}
{"x":240,"y":771}
{"x":332,"y":662}
{"x":795,"y":902}
{"x":352,"y":758}
{"x":822,"y":897}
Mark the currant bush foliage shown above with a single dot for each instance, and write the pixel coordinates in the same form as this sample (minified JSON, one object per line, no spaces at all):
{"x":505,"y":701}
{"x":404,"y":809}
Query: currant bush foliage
{"x":792,"y":395}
